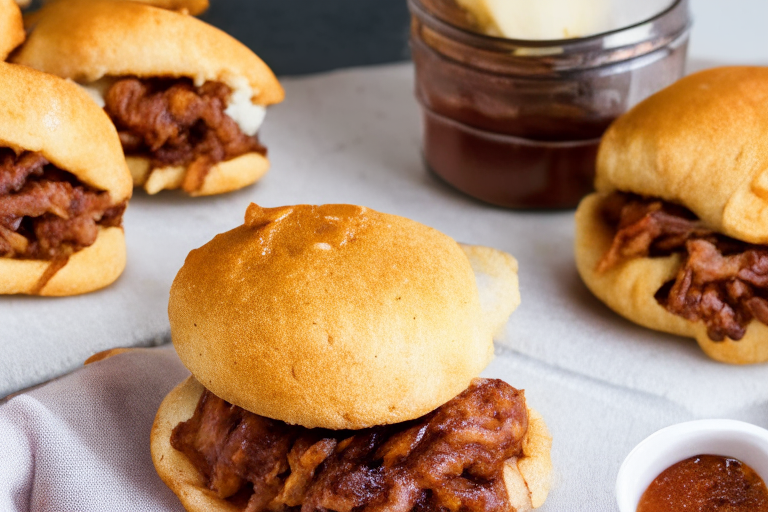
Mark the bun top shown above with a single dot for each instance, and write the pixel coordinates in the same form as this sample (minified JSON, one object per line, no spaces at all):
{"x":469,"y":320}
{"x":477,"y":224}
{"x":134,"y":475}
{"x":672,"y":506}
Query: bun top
{"x":42,"y":113}
{"x":192,"y":7}
{"x":85,"y":40}
{"x":11,"y":27}
{"x":702,"y":143}
{"x":333,"y":316}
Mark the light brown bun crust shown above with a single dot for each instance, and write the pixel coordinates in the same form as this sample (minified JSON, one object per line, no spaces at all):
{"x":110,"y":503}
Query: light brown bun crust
{"x":85,"y":40}
{"x":701,"y":143}
{"x":527,"y":478}
{"x":333,"y":316}
{"x":87,"y":270}
{"x":224,"y":177}
{"x":43,"y":113}
{"x":11,"y":27}
{"x":629,"y":290}
{"x":191,"y":7}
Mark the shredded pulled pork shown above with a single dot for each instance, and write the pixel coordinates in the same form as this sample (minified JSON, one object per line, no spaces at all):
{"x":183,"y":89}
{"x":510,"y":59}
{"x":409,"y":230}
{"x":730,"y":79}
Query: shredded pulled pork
{"x":450,"y":459}
{"x":46,"y":213}
{"x":722,"y":282}
{"x":171,"y":122}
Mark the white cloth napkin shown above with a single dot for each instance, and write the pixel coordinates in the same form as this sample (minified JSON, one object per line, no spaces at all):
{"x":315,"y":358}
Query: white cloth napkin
{"x":81,"y":443}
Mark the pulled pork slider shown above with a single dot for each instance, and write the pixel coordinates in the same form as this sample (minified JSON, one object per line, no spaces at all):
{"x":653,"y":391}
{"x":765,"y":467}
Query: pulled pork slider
{"x":187,"y":99}
{"x":334,"y":352}
{"x":676,"y":237}
{"x":63,"y":188}
{"x":11,"y":27}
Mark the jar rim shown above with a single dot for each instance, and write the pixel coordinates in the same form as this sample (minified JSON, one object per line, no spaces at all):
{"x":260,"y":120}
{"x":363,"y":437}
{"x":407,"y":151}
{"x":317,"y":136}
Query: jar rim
{"x":672,"y":23}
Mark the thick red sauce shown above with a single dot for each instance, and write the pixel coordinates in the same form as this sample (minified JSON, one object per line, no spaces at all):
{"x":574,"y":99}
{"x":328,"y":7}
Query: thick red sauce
{"x":706,"y":483}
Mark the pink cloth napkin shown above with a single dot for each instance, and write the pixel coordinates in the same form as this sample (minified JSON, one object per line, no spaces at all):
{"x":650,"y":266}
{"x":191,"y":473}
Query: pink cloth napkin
{"x":81,"y":443}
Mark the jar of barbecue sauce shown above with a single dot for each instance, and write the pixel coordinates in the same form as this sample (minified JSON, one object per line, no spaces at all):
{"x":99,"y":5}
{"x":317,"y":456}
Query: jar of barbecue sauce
{"x":517,"y":123}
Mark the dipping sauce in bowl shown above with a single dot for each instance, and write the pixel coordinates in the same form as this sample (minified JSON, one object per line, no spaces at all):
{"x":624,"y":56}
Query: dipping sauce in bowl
{"x":704,"y":465}
{"x":706,"y":483}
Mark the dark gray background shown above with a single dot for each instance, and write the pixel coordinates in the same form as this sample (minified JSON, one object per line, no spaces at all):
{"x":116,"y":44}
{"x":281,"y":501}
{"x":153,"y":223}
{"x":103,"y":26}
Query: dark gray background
{"x":296,"y":37}
{"x":307,"y":36}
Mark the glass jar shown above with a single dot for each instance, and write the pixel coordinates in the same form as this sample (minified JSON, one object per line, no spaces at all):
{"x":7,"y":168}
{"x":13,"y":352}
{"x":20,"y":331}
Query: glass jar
{"x":517,"y":123}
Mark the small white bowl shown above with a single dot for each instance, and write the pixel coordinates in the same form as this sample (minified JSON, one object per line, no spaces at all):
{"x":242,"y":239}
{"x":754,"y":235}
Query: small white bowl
{"x":727,"y":438}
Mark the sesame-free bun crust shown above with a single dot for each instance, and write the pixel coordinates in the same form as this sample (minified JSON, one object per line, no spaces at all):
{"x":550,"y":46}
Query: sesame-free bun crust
{"x":629,"y":290}
{"x":527,"y":478}
{"x":11,"y":27}
{"x":191,"y":7}
{"x":85,"y":40}
{"x":43,"y":113}
{"x":701,"y":143}
{"x":87,"y":270}
{"x":223,"y":177}
{"x":333,"y":316}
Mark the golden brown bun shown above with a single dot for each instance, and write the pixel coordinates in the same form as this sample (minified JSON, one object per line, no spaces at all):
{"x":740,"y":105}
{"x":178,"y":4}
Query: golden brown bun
{"x":629,"y":290}
{"x":333,"y":316}
{"x":527,"y":478}
{"x":11,"y":27}
{"x":191,"y":7}
{"x":88,"y":269}
{"x":224,"y":177}
{"x":702,"y":143}
{"x":85,"y":40}
{"x":43,"y":113}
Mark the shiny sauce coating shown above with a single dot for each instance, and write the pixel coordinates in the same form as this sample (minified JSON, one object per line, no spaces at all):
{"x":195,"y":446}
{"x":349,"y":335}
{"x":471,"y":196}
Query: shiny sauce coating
{"x":706,"y":483}
{"x":451,"y":459}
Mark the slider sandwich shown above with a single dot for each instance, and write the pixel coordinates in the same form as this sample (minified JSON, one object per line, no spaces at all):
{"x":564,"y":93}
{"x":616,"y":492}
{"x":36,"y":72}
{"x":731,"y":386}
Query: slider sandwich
{"x":11,"y":27}
{"x":676,"y":237}
{"x":334,"y":353}
{"x":187,"y":99}
{"x":63,"y":188}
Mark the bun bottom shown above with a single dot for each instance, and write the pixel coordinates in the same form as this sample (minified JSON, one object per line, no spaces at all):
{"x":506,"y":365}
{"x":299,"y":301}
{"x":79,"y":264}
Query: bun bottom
{"x":527,"y":478}
{"x":223,"y":177}
{"x":629,"y":289}
{"x":87,"y":270}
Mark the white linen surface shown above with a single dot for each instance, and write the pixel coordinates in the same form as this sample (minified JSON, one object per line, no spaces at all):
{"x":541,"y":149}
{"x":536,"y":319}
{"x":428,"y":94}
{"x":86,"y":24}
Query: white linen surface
{"x":353,"y":137}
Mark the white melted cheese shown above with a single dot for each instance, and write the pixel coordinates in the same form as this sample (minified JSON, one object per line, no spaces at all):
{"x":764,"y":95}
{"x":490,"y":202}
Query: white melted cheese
{"x":96,"y":90}
{"x":249,"y":117}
